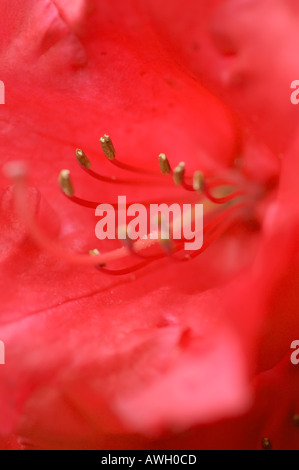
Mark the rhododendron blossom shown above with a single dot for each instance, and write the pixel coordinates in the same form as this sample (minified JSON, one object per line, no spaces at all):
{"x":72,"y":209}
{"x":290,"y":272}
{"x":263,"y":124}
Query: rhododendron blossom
{"x":147,"y":342}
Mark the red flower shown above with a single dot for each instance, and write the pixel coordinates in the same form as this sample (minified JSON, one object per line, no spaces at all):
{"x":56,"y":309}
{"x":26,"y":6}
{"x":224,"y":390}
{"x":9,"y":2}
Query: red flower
{"x":164,"y":359}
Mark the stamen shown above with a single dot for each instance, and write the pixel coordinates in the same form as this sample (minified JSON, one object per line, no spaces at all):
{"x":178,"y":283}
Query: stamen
{"x":215,"y":230}
{"x":198,"y":181}
{"x":107,"y":147}
{"x":200,"y":185}
{"x":179,"y":173}
{"x":142,"y":248}
{"x":65,"y":183}
{"x":179,"y":177}
{"x":109,"y":151}
{"x":88,"y":204}
{"x":85,"y":164}
{"x":94,"y":252}
{"x":114,"y":205}
{"x":52,"y":246}
{"x":97,"y":253}
{"x":164,"y":164}
{"x":124,"y":236}
{"x":67,"y":188}
{"x":266,"y":444}
{"x":129,"y":270}
{"x":82,"y":159}
{"x":216,"y":182}
{"x":212,"y":232}
{"x":222,"y":200}
{"x":167,"y":245}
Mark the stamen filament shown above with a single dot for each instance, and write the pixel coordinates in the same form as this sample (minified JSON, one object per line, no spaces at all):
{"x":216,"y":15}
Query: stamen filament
{"x":218,"y":226}
{"x":169,"y":245}
{"x":109,"y":151}
{"x":93,"y":204}
{"x":225,"y":199}
{"x":52,"y":246}
{"x":117,"y":180}
{"x":220,"y":230}
{"x":85,"y":165}
{"x":133,"y":169}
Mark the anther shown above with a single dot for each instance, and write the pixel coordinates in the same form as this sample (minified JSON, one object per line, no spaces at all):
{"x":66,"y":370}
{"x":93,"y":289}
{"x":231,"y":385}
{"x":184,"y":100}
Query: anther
{"x":198,"y":181}
{"x":82,"y":159}
{"x":296,"y":420}
{"x":95,"y":253}
{"x":166,"y":245}
{"x":107,"y":147}
{"x":163,"y":235}
{"x":266,"y":444}
{"x":179,"y":173}
{"x":65,"y":183}
{"x":164,"y":164}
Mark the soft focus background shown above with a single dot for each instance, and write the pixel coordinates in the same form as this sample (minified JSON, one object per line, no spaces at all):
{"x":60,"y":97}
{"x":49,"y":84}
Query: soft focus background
{"x":180,"y":355}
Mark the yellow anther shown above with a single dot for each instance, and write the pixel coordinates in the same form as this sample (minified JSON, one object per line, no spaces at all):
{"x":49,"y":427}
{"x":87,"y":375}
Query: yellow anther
{"x":179,"y":173}
{"x":198,"y":181}
{"x":107,"y":147}
{"x":65,"y":183}
{"x":82,"y":159}
{"x":164,"y":164}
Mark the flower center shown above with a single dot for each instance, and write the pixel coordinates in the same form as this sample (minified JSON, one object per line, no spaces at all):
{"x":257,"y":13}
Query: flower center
{"x":225,"y":199}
